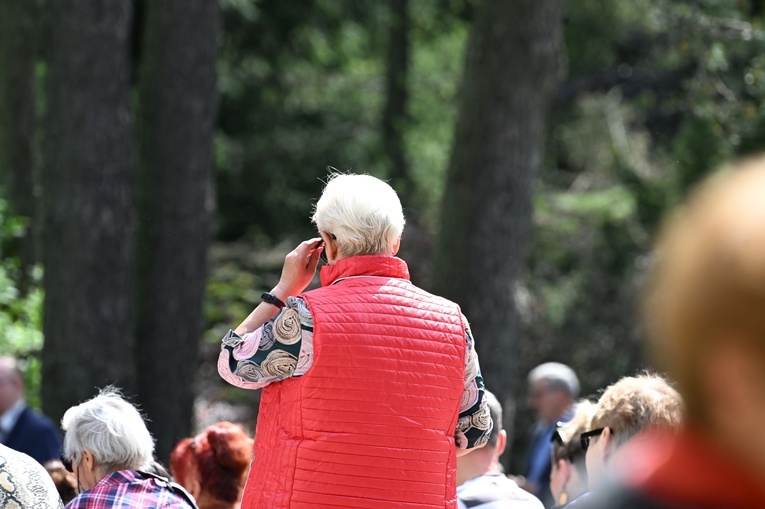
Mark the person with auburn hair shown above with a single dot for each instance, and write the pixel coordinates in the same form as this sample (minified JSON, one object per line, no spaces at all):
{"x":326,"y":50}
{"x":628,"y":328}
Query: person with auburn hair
{"x":705,"y":316}
{"x":371,"y":385}
{"x":568,"y":476}
{"x":213,"y":465}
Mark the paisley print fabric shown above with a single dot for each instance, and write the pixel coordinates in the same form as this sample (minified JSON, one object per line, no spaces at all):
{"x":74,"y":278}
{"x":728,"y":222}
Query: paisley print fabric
{"x":283,"y":347}
{"x":24,"y":483}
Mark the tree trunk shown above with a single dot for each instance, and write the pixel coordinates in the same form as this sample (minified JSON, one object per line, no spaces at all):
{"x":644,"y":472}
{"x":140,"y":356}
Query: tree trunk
{"x":177,"y":96}
{"x":513,"y":66}
{"x":394,"y":113}
{"x":88,"y":252}
{"x":18,"y":59}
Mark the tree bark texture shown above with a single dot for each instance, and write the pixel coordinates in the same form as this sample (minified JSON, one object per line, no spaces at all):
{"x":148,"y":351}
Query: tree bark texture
{"x":513,"y":66}
{"x":394,"y":114}
{"x":177,"y":106}
{"x":18,"y":60}
{"x":87,"y":214}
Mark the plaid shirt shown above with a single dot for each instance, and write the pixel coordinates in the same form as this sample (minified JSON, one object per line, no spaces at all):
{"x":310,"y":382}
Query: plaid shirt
{"x":127,"y":489}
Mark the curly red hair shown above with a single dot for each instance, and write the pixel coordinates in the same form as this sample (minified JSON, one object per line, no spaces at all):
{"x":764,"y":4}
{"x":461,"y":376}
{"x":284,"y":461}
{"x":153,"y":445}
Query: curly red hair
{"x":218,"y":457}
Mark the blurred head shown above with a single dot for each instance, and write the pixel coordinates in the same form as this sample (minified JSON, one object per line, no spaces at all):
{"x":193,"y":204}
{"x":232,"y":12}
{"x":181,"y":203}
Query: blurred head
{"x":103,"y":435}
{"x":704,"y":307}
{"x":358,"y":215}
{"x":553,"y":387}
{"x":66,"y":484}
{"x":11,"y":383}
{"x":485,"y":459}
{"x":627,"y":407}
{"x":213,"y":465}
{"x":568,"y":476}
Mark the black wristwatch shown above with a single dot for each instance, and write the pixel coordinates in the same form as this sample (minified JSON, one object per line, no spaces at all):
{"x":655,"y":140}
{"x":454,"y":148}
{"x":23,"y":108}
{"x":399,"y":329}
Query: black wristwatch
{"x":272,"y":299}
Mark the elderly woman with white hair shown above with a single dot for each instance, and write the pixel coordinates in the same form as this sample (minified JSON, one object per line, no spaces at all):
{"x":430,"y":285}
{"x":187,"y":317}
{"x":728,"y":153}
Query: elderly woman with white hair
{"x":371,"y":386}
{"x":109,"y":449}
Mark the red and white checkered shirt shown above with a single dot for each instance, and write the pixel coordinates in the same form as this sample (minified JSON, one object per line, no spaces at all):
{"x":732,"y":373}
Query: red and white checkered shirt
{"x":128,"y":489}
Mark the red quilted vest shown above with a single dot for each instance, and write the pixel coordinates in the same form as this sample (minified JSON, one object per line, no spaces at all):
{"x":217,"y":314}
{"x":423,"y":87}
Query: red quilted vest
{"x":371,"y":424}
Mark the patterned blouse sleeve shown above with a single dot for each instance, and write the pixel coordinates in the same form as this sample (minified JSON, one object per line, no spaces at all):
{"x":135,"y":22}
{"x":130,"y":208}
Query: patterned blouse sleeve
{"x":281,"y":348}
{"x":474,"y":424}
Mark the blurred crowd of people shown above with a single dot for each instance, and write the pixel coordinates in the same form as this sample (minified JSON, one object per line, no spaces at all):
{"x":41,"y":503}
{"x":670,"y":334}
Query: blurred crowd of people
{"x":373,"y":395}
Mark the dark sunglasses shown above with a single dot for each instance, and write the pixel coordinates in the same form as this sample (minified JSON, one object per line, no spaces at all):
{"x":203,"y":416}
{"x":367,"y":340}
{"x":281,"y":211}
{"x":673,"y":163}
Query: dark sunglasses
{"x":587,"y":435}
{"x":67,"y":463}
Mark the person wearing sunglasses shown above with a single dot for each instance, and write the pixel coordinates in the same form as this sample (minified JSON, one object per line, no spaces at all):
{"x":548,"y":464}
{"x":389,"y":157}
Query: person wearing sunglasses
{"x":568,"y":476}
{"x":109,"y":449}
{"x":371,"y":385}
{"x":627,"y":409}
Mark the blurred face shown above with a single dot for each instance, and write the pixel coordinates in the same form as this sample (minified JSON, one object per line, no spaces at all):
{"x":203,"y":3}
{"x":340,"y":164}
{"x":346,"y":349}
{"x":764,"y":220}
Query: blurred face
{"x":11,"y":389}
{"x":549,"y":402}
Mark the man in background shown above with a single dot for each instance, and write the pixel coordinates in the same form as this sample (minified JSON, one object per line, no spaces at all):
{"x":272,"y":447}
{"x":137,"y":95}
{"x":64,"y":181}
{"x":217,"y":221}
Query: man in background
{"x":480,"y":481}
{"x":553,"y":388}
{"x":21,"y":428}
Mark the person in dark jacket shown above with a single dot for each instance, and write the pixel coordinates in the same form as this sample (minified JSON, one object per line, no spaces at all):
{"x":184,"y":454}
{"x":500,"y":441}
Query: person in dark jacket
{"x":21,"y":428}
{"x":705,"y":317}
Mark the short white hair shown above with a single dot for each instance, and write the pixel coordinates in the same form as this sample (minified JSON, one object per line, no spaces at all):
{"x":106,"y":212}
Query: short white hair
{"x":362,"y":212}
{"x":557,"y":375}
{"x":111,"y":429}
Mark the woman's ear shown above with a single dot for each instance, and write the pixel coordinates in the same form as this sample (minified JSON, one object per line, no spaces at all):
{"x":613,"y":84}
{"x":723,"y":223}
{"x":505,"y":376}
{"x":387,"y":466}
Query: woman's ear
{"x":330,"y":247}
{"x":88,"y":461}
{"x":564,"y":470}
{"x":607,"y":437}
{"x":396,"y":246}
{"x":195,"y":488}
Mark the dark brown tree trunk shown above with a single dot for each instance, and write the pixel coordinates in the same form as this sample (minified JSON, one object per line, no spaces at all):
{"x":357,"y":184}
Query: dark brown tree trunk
{"x":18,"y":60}
{"x":177,"y":96}
{"x":394,"y":114}
{"x":88,"y":251}
{"x":513,"y":66}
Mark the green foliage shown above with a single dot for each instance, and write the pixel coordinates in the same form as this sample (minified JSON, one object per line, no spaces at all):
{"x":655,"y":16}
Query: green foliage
{"x":20,"y":312}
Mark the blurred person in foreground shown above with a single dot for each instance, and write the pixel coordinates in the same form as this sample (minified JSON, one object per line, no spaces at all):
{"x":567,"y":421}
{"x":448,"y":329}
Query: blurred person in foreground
{"x":568,"y":477}
{"x":705,"y":315}
{"x":21,"y":428}
{"x":108,"y":448}
{"x":625,"y":414}
{"x":553,"y":388}
{"x":372,"y":386}
{"x":24,"y":483}
{"x":481,"y":484}
{"x":213,"y":465}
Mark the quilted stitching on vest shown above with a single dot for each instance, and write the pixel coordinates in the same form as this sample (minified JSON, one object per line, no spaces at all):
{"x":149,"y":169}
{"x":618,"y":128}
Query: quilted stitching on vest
{"x":371,"y":424}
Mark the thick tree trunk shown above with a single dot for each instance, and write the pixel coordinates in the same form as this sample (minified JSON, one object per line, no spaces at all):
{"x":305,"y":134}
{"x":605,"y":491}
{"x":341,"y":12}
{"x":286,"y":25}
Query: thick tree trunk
{"x":177,"y":96}
{"x":18,"y":59}
{"x":88,"y":252}
{"x":394,"y":113}
{"x":513,"y":66}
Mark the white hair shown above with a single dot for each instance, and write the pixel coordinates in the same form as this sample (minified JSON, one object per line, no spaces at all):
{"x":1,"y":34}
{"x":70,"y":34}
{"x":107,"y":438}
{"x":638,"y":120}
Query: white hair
{"x":362,"y":212}
{"x":111,"y":429}
{"x":557,"y":375}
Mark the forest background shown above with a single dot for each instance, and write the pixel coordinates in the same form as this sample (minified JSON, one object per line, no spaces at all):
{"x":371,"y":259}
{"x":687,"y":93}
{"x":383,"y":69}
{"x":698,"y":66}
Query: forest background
{"x":160,"y":157}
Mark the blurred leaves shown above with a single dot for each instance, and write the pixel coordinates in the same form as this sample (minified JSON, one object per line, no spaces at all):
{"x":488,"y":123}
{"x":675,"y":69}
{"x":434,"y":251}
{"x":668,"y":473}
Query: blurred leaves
{"x":20,"y":312}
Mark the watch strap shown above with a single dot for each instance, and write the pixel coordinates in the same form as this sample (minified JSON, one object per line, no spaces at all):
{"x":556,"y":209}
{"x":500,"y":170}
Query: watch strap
{"x":272,"y":299}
